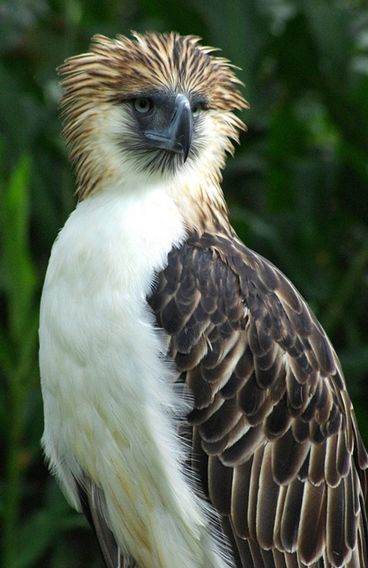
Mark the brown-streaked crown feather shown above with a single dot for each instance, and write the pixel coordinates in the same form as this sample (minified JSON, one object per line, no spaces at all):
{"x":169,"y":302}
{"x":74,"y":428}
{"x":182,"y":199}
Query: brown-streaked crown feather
{"x":116,"y":68}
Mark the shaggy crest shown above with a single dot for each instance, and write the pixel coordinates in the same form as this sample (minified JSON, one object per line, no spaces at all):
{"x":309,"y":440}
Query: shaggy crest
{"x":117,"y":68}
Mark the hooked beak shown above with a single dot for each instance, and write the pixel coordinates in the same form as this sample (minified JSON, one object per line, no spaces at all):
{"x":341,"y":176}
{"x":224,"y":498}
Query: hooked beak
{"x":177,"y":135}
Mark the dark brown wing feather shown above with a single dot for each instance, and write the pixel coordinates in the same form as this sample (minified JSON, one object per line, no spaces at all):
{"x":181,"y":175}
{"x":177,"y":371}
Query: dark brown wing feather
{"x":93,"y":506}
{"x":275,"y":439}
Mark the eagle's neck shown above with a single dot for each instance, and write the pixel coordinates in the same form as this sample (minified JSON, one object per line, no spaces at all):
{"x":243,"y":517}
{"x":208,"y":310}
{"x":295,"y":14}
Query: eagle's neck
{"x":198,"y":198}
{"x":202,"y":204}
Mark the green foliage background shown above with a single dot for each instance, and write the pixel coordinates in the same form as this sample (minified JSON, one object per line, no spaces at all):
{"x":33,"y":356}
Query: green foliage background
{"x":297,"y":190}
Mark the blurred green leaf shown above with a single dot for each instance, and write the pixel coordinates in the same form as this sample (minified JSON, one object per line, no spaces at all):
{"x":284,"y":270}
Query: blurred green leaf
{"x":326,"y":26}
{"x":21,"y":279}
{"x":39,"y":531}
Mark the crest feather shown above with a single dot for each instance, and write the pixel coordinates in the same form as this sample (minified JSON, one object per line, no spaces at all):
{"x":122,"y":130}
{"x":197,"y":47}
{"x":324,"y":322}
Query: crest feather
{"x":118,"y":68}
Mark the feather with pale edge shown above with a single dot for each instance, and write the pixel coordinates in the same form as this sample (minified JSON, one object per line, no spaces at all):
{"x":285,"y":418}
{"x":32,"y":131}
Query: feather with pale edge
{"x":286,"y":465}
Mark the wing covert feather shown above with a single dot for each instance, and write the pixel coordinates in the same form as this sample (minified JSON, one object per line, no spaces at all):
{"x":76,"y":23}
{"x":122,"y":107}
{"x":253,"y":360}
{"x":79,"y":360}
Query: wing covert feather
{"x":277,"y":448}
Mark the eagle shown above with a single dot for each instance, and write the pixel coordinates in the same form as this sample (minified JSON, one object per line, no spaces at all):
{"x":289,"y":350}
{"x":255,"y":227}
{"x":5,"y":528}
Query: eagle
{"x":195,"y":410}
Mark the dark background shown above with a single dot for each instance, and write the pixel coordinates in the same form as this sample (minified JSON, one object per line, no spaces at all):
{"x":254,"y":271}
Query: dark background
{"x":297,"y":190}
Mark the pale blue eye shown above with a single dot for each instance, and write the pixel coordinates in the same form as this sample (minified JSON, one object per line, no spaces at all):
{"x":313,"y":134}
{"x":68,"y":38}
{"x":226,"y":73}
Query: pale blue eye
{"x":142,"y":105}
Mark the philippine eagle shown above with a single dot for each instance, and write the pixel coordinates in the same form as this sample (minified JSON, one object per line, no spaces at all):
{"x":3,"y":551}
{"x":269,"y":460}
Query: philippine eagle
{"x":195,"y":410}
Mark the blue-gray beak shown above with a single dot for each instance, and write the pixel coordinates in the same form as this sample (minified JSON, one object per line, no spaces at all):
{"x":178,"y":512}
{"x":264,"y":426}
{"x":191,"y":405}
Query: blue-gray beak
{"x":177,"y":135}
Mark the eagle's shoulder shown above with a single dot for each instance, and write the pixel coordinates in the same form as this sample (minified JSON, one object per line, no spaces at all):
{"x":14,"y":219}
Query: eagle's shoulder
{"x":274,"y":432}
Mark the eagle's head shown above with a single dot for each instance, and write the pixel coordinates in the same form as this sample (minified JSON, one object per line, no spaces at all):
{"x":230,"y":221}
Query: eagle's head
{"x":155,"y":105}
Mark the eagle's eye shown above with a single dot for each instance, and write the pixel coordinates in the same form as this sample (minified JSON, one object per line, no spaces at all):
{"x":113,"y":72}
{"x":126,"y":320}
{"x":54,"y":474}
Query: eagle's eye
{"x":143,"y":105}
{"x":198,"y":107}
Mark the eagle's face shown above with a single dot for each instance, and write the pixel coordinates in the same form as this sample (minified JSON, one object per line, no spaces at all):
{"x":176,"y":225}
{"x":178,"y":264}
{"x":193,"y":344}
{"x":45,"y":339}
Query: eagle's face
{"x":151,"y":106}
{"x":161,"y":129}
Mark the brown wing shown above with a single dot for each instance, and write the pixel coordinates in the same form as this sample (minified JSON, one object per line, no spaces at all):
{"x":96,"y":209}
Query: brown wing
{"x":92,"y":504}
{"x":274,"y":437}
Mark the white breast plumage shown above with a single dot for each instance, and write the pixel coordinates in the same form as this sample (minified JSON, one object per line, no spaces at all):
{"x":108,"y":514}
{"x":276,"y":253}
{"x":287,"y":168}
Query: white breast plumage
{"x":106,"y":388}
